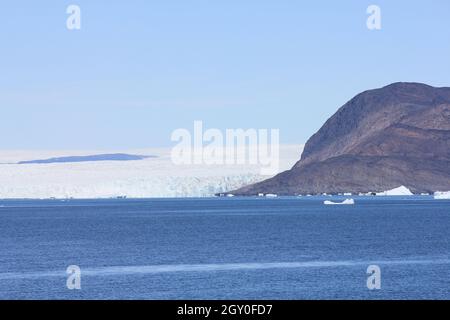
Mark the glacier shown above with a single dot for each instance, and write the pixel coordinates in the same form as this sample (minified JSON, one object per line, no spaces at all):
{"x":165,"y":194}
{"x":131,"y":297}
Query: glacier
{"x":156,"y":177}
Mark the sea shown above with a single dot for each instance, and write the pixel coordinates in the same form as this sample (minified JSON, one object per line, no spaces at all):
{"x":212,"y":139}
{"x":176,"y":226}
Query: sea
{"x":225,"y":248}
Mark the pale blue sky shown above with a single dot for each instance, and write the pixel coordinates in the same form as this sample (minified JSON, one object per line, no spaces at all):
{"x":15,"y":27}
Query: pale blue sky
{"x":137,"y":70}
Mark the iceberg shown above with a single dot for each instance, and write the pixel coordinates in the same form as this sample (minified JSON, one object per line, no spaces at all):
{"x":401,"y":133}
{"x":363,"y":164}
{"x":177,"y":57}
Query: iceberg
{"x":439,"y":195}
{"x":400,"y":191}
{"x":271,"y":195}
{"x":346,"y":201}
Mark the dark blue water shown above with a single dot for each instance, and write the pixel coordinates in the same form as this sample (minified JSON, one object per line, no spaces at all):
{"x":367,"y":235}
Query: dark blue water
{"x":225,"y":248}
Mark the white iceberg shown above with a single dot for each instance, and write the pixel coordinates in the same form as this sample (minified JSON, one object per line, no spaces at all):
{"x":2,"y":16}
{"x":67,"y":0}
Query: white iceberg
{"x":439,"y":195}
{"x":271,"y":195}
{"x":370,"y":193}
{"x":346,"y":201}
{"x":400,"y":191}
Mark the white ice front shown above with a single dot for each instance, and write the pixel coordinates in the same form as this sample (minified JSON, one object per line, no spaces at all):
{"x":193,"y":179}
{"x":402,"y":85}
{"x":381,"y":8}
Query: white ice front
{"x":153,"y":177}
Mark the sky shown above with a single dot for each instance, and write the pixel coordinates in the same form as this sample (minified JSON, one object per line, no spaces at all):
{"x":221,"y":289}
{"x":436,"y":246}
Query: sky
{"x":138,"y":70}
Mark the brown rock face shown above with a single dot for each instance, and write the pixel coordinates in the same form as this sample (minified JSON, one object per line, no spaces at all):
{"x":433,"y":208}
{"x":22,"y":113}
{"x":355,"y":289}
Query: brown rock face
{"x":379,"y":140}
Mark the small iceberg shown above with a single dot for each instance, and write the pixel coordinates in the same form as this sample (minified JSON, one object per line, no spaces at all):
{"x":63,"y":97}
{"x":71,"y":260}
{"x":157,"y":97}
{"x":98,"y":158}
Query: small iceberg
{"x":400,"y":191}
{"x":346,"y":201}
{"x":439,"y":195}
{"x":370,"y":193}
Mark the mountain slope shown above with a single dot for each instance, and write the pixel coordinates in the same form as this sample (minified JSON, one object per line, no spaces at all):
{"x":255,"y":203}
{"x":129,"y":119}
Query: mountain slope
{"x":379,"y":140}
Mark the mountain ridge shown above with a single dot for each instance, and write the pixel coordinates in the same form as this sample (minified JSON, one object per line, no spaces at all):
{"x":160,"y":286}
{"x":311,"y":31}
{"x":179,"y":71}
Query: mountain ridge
{"x":377,"y":141}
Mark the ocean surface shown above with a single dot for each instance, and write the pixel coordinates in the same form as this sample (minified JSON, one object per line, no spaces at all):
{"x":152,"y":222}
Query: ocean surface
{"x":225,"y":248}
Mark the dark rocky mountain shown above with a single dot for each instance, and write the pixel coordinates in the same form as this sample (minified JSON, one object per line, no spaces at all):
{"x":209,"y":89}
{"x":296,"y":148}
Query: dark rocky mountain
{"x":379,"y":140}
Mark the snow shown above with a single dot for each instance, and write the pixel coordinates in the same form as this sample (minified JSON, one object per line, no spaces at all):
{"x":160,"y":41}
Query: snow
{"x":400,"y":191}
{"x":346,"y":201}
{"x":442,"y":195}
{"x":146,"y":178}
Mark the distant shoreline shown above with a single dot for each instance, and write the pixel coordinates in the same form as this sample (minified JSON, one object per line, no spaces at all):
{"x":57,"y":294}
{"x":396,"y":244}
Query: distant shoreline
{"x":312,"y":197}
